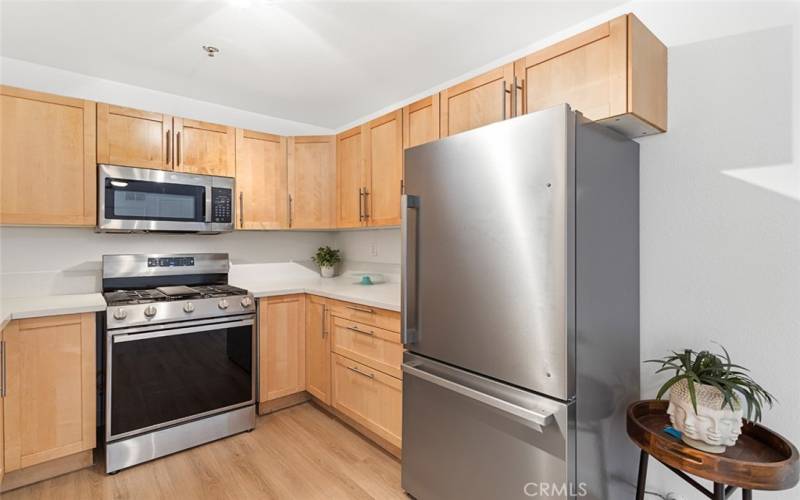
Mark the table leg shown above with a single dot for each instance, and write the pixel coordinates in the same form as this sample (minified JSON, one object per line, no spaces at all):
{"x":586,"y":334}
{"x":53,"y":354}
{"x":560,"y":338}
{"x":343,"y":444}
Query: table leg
{"x":747,"y":494}
{"x":642,"y":480}
{"x":719,"y":491}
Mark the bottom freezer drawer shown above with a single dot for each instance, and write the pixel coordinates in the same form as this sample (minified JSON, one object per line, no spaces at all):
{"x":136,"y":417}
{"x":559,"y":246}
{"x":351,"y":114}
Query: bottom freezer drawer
{"x":469,"y":437}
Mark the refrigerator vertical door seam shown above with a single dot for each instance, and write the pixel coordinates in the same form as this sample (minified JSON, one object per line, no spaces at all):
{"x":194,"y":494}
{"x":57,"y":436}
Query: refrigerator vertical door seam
{"x":408,"y":318}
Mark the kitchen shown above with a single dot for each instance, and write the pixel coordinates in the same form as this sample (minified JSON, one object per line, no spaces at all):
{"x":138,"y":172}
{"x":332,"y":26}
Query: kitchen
{"x":326,"y":355}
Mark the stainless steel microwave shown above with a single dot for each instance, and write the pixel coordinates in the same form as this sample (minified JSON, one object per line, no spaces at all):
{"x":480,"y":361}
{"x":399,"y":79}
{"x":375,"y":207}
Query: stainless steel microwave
{"x":140,"y":199}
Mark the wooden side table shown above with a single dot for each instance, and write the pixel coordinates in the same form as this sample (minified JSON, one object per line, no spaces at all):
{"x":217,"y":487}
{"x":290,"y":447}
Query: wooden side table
{"x":761,"y":459}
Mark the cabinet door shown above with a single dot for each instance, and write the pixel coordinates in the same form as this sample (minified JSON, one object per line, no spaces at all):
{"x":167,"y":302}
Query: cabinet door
{"x":50,"y":402}
{"x":383,"y":144}
{"x":587,"y":71}
{"x":204,"y":148}
{"x":318,"y":349}
{"x":421,"y":122}
{"x":261,"y":181}
{"x":371,"y":398}
{"x":480,"y":101}
{"x":133,"y":138}
{"x":312,"y":182}
{"x":350,"y":178}
{"x":282,"y":346}
{"x":48,"y":169}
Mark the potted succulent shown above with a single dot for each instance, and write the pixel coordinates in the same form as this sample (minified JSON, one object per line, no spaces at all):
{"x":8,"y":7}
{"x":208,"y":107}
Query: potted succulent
{"x":708,"y":397}
{"x":326,"y":257}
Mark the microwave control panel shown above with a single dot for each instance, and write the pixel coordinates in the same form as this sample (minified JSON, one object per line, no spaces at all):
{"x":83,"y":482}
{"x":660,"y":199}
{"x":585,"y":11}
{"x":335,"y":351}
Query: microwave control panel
{"x":221,"y":205}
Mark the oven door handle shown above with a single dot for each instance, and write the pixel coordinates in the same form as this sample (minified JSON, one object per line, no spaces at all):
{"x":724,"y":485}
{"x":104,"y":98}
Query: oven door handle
{"x":132,"y":337}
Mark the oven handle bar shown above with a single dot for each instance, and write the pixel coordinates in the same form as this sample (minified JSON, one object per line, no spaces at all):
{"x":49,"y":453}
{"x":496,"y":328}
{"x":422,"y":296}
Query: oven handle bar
{"x":181,"y":331}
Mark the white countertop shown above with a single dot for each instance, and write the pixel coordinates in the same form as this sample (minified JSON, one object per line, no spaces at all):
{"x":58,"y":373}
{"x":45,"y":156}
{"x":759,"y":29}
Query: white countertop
{"x":262,"y":280}
{"x":278,"y":279}
{"x":49,"y":305}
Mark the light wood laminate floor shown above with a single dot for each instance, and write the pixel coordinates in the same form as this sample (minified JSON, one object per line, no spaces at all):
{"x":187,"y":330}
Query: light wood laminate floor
{"x":300,"y":452}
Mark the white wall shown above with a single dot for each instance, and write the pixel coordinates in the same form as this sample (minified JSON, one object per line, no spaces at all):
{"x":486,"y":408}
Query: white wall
{"x":58,"y":81}
{"x":36,"y":261}
{"x":720,"y":201}
{"x":380,"y":246}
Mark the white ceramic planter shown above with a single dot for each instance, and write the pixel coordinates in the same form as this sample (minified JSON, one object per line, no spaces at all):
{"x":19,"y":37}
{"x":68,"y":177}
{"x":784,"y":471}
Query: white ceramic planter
{"x":712,"y":428}
{"x":326,"y":271}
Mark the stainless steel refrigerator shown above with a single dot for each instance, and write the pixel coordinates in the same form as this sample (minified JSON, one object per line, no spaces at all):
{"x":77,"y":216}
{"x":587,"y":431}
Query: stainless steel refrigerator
{"x":520,"y":311}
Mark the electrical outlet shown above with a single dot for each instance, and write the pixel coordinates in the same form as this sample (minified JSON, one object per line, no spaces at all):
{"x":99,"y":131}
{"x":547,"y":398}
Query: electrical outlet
{"x":673,"y":496}
{"x":373,"y":250}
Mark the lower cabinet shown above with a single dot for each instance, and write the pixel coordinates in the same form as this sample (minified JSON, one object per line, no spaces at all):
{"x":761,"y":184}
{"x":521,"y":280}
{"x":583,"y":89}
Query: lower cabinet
{"x":48,"y":410}
{"x":282,"y":346}
{"x":369,"y":397}
{"x":318,"y":349}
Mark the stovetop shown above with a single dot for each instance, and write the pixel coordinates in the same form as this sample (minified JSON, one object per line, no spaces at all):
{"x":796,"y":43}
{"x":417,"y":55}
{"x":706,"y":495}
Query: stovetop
{"x":147,"y":296}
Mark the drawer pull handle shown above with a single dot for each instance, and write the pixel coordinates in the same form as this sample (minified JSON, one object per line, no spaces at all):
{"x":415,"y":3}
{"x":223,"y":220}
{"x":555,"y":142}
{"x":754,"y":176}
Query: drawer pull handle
{"x":355,"y":369}
{"x":362,"y":309}
{"x":362,"y":332}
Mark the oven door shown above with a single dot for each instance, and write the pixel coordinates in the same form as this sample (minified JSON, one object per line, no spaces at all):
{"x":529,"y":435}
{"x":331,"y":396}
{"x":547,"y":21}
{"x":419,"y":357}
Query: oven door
{"x":140,"y":199}
{"x":161,"y":376}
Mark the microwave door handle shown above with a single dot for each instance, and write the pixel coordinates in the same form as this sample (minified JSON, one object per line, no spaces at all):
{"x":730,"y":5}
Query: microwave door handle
{"x":208,"y":205}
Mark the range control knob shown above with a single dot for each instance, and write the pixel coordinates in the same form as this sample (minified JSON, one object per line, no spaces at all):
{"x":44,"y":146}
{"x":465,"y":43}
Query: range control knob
{"x":247,"y":302}
{"x":188,"y":307}
{"x":120,"y":314}
{"x":223,"y":304}
{"x":150,"y":311}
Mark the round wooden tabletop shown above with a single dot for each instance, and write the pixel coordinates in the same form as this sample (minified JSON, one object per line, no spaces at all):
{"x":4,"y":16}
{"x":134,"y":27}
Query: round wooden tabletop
{"x":761,"y":459}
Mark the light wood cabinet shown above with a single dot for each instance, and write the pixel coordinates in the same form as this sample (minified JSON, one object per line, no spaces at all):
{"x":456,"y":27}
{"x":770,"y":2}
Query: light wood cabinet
{"x":318,"y":349}
{"x":615,"y":73}
{"x":49,"y":407}
{"x":383,"y":146}
{"x":421,"y":121}
{"x":375,"y":347}
{"x":369,"y":397}
{"x":477,"y":102}
{"x":312,"y":182}
{"x":261,"y":181}
{"x":48,"y":165}
{"x":350,"y":179}
{"x":204,"y":148}
{"x":367,"y":315}
{"x":282,"y":346}
{"x":134,"y":138}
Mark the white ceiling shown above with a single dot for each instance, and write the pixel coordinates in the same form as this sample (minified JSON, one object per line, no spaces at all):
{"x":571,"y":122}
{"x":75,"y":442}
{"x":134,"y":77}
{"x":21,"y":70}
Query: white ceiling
{"x":322,"y":63}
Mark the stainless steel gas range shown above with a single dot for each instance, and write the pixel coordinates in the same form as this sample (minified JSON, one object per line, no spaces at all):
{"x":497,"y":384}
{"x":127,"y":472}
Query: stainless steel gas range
{"x":179,"y":355}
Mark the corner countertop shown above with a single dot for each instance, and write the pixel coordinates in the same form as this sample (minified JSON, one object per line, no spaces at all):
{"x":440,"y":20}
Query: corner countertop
{"x":49,"y":305}
{"x":269,"y":281}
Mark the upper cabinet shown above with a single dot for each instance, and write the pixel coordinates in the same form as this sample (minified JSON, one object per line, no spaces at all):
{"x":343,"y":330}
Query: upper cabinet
{"x":312,"y":182}
{"x":477,"y":102}
{"x":421,"y":122}
{"x":136,"y":138}
{"x":204,"y":148}
{"x":383,"y":147}
{"x":350,"y":179}
{"x":615,"y":73}
{"x":133,"y":138}
{"x":47,"y":159}
{"x":261,"y":181}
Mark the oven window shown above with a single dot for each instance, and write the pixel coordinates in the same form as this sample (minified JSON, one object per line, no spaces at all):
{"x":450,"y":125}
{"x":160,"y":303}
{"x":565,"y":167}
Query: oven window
{"x":164,"y":379}
{"x":142,"y":200}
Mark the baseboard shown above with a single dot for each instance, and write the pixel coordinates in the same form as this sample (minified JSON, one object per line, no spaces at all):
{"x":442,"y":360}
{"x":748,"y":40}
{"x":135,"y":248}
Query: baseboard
{"x":382,"y":443}
{"x":283,"y":402}
{"x":47,"y":470}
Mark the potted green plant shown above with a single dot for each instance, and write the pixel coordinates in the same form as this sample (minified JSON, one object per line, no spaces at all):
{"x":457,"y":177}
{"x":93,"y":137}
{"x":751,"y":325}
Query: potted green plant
{"x":327,"y":257}
{"x":708,"y":397}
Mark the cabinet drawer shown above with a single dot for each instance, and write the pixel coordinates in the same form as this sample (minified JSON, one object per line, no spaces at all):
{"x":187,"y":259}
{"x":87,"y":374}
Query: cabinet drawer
{"x":388,"y":320}
{"x":371,"y":398}
{"x":375,"y":347}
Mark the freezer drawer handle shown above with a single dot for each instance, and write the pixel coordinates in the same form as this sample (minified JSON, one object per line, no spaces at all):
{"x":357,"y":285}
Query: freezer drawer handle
{"x":537,"y":420}
{"x":408,"y":281}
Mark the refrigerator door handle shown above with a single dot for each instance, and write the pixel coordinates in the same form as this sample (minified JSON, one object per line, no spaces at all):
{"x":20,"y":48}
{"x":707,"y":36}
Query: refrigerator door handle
{"x":408,"y":283}
{"x":537,"y":420}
